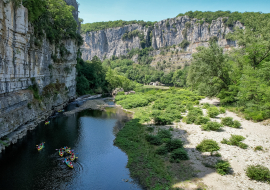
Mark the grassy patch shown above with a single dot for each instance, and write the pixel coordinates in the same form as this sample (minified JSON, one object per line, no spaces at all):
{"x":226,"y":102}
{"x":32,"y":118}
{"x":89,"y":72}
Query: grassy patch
{"x":211,"y":126}
{"x":213,"y":112}
{"x":236,"y":141}
{"x":260,"y":148}
{"x":222,"y":167}
{"x":258,"y":173}
{"x":228,"y":121}
{"x":208,"y":145}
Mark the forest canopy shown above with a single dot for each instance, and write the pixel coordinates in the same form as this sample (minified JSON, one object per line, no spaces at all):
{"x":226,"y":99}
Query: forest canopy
{"x":208,"y":16}
{"x":96,"y":26}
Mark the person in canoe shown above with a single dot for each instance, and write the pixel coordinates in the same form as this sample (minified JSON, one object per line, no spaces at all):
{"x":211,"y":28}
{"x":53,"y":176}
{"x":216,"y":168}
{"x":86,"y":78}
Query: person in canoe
{"x":68,"y":163}
{"x":41,"y":146}
{"x":47,"y":122}
{"x":61,"y":153}
{"x":72,"y":157}
{"x":68,"y":150}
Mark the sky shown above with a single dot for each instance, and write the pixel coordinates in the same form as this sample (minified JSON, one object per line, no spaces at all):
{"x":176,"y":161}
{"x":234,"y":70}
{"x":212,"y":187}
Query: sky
{"x":156,"y":10}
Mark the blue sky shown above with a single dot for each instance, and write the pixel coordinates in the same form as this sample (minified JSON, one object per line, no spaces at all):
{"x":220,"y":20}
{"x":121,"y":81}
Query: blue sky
{"x":155,"y":10}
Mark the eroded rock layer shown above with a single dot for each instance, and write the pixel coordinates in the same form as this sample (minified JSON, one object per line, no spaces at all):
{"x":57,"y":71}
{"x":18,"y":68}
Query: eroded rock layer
{"x":21,"y":65}
{"x":105,"y":43}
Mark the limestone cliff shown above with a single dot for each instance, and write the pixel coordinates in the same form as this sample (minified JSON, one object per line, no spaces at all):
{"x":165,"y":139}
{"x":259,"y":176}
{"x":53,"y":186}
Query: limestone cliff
{"x":105,"y":43}
{"x":21,"y":65}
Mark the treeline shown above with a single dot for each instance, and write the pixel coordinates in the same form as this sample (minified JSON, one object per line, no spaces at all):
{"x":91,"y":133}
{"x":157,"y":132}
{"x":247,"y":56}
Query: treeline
{"x":241,"y":77}
{"x":144,"y":73}
{"x":95,"y":77}
{"x":208,"y":16}
{"x":96,"y":26}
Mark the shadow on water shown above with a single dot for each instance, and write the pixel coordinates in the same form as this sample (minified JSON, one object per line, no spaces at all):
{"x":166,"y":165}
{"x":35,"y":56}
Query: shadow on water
{"x":100,"y":164}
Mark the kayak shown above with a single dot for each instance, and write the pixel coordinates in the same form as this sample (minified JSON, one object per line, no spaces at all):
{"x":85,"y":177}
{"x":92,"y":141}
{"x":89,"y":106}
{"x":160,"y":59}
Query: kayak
{"x":61,"y":153}
{"x":47,"y":123}
{"x":40,"y":147}
{"x":72,"y":158}
{"x":61,"y":110}
{"x":68,"y":151}
{"x":68,"y":163}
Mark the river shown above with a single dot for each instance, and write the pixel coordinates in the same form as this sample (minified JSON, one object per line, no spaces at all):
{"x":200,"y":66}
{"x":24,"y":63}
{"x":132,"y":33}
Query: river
{"x":100,"y":164}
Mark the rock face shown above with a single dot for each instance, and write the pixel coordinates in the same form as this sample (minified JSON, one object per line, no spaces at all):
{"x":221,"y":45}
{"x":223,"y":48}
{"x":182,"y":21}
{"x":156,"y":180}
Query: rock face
{"x":105,"y":43}
{"x":21,"y":65}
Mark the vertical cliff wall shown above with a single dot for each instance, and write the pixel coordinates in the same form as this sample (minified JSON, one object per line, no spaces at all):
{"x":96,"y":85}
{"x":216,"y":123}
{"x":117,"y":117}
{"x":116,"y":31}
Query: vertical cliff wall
{"x":105,"y":43}
{"x":21,"y":65}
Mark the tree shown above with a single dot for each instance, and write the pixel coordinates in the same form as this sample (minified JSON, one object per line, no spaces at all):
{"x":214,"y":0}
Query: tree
{"x":254,"y":39}
{"x":209,"y":71}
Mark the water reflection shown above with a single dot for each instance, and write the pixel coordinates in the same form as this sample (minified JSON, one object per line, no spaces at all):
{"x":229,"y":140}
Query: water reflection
{"x":100,"y":164}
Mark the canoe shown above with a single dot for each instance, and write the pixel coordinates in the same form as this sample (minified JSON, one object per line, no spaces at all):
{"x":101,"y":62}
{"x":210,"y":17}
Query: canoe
{"x":40,"y":147}
{"x":68,"y":163}
{"x":72,"y":158}
{"x":47,"y":123}
{"x":61,"y":153}
{"x":68,"y":150}
{"x":61,"y":110}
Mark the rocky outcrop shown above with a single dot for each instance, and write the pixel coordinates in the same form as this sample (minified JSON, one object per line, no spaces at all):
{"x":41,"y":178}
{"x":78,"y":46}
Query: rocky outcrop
{"x":21,"y":65}
{"x":105,"y":43}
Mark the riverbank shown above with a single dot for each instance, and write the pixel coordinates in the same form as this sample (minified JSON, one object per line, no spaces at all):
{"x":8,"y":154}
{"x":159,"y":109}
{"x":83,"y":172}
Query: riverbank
{"x":197,"y":172}
{"x":98,"y":104}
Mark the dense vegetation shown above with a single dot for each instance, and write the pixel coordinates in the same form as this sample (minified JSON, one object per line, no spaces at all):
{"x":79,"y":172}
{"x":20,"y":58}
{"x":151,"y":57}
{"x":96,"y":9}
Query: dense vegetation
{"x":53,"y":19}
{"x":232,"y":17}
{"x":89,"y":27}
{"x":240,"y":78}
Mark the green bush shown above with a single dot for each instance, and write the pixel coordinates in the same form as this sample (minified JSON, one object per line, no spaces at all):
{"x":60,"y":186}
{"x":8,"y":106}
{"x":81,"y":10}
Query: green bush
{"x":174,"y":144}
{"x":163,"y":133}
{"x":222,"y":110}
{"x":166,"y":140}
{"x":222,"y":167}
{"x":208,"y":145}
{"x":154,"y":140}
{"x":228,"y":121}
{"x":163,"y":119}
{"x":193,"y":114}
{"x":212,"y":112}
{"x":206,"y":106}
{"x":179,"y":154}
{"x":121,"y":93}
{"x":201,"y":120}
{"x":236,"y":141}
{"x":258,"y":173}
{"x":211,"y":125}
{"x":150,"y":129}
{"x":258,"y":148}
{"x":236,"y":124}
{"x":162,"y":150}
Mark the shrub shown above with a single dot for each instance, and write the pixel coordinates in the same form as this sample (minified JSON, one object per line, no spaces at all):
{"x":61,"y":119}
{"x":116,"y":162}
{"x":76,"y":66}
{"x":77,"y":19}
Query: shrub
{"x":222,"y":167}
{"x":212,"y":112}
{"x":163,"y":133}
{"x":150,"y":129}
{"x":201,"y":120}
{"x":162,"y":150}
{"x":163,"y":119}
{"x":152,"y":139}
{"x":258,"y":148}
{"x":174,"y":144}
{"x":206,"y":106}
{"x":193,"y":114}
{"x":227,"y":121}
{"x":236,"y":141}
{"x":165,"y":140}
{"x":222,"y":110}
{"x":121,"y":93}
{"x":258,"y":173}
{"x":208,"y":145}
{"x":179,"y":154}
{"x":236,"y":124}
{"x":211,"y":125}
{"x":184,"y":43}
